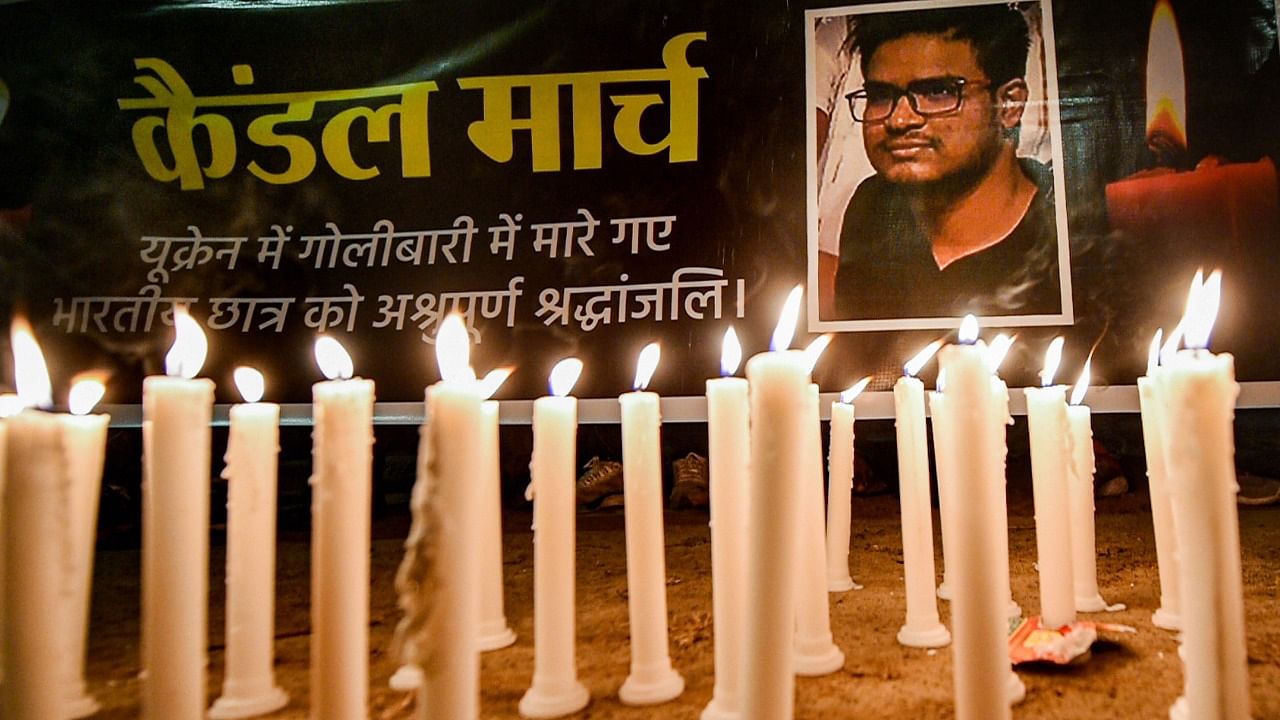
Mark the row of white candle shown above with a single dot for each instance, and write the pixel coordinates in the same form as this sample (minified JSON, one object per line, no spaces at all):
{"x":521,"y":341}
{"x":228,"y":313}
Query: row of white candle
{"x":653,"y":664}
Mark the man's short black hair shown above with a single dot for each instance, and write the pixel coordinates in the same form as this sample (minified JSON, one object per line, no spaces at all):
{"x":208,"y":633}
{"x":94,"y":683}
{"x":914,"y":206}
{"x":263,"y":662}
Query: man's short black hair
{"x":998,"y":34}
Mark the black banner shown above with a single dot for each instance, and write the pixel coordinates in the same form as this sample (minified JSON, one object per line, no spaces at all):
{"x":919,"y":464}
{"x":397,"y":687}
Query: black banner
{"x":584,"y":178}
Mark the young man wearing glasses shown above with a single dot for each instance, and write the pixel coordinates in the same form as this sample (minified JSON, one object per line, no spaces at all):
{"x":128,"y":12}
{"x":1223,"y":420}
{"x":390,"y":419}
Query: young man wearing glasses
{"x":952,"y":221}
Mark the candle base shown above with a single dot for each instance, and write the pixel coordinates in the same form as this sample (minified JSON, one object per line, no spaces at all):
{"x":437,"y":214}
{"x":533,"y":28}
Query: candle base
{"x":495,"y":636}
{"x":715,"y":710}
{"x":1097,"y":604}
{"x":542,"y":702}
{"x":666,"y":686}
{"x":233,"y":708}
{"x":944,"y":591}
{"x":1017,"y":691}
{"x":406,"y":678}
{"x":1180,"y":710}
{"x":926,"y":637}
{"x":81,"y":705}
{"x":843,"y":584}
{"x":1166,"y":620}
{"x":815,"y":659}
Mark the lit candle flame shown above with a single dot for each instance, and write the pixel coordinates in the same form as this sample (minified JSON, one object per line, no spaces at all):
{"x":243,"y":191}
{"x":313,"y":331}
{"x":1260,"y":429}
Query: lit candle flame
{"x":968,"y":330}
{"x":786,"y":327}
{"x":730,"y":353}
{"x":250,"y":383}
{"x":915,"y":364}
{"x":813,"y":351}
{"x":1153,"y":353}
{"x":85,"y":394}
{"x":1170,"y":347}
{"x":1082,"y":384}
{"x":333,"y":359}
{"x":1166,"y":81}
{"x":564,"y":376}
{"x":1052,"y":359}
{"x":190,"y":346}
{"x":646,"y":365}
{"x":1202,"y":311}
{"x":10,"y":405}
{"x":453,"y":350}
{"x":942,"y":379}
{"x":998,"y":351}
{"x":493,"y":380}
{"x":853,"y":391}
{"x":31,"y":374}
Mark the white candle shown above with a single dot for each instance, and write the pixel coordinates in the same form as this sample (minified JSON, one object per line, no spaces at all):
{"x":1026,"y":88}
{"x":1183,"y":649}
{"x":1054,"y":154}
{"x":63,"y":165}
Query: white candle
{"x":451,"y":682}
{"x":816,"y":651}
{"x":728,"y":447}
{"x":1000,"y":511}
{"x":177,"y":411}
{"x":253,"y":448}
{"x":33,"y":508}
{"x":1084,"y":554}
{"x":492,"y":629}
{"x":946,"y":482}
{"x":341,"y":487}
{"x":84,"y":447}
{"x":9,"y":405}
{"x":1050,"y":463}
{"x":778,"y":382}
{"x":556,"y":690}
{"x":978,"y":600}
{"x":1201,"y":394}
{"x":1151,"y":403}
{"x":652,"y":679}
{"x":840,"y":490}
{"x":922,"y":627}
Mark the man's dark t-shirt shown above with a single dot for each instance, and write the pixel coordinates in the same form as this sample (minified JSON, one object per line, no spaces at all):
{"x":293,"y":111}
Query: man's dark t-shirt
{"x":887,"y":269}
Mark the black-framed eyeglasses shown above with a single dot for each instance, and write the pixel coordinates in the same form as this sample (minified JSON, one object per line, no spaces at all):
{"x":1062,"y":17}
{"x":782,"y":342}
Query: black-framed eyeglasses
{"x":875,"y":101}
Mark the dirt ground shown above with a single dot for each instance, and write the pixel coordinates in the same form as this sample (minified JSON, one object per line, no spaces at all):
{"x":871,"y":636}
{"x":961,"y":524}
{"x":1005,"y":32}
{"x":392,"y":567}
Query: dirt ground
{"x":1129,"y":676}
